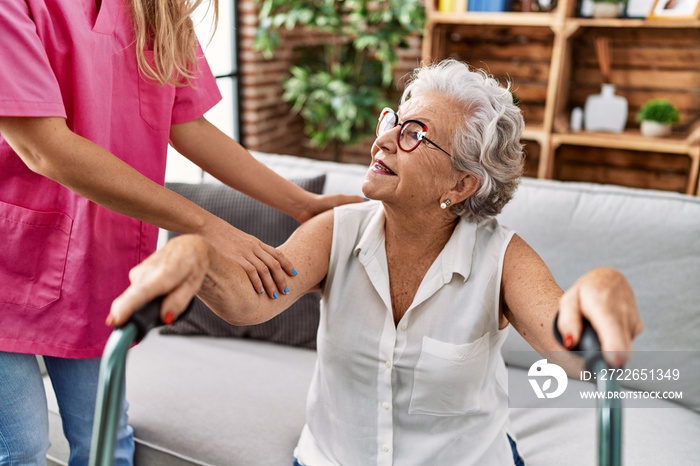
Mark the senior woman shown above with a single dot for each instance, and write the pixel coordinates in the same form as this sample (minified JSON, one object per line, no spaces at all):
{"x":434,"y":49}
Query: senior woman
{"x":418,"y":288}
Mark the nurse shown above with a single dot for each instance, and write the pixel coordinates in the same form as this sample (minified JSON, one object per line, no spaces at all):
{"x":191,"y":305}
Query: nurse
{"x":90,"y":95}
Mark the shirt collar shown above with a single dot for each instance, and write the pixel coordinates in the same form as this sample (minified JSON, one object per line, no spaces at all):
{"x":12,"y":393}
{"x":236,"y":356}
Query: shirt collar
{"x":373,"y":235}
{"x":456,"y":256}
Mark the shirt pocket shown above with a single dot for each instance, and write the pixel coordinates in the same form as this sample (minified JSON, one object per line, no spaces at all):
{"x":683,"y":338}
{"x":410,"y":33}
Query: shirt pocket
{"x":33,"y":259}
{"x":155,"y":101}
{"x":448,"y":378}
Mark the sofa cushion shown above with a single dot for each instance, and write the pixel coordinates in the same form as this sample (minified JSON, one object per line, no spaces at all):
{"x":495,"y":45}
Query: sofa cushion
{"x":297,"y":326}
{"x":214,"y":401}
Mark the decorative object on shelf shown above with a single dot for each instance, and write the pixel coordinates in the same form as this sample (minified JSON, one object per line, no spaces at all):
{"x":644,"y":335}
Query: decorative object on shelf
{"x":675,"y":9}
{"x":576,"y":122}
{"x":446,"y":6}
{"x":607,"y":8}
{"x":489,"y":5}
{"x":639,"y":8}
{"x":605,"y":111}
{"x":545,"y":6}
{"x":585,"y":9}
{"x":656,"y":117}
{"x":452,"y":6}
{"x":527,"y":6}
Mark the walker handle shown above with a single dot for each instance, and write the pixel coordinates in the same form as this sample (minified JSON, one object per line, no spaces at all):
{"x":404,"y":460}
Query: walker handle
{"x":147,"y":317}
{"x":588,"y":346}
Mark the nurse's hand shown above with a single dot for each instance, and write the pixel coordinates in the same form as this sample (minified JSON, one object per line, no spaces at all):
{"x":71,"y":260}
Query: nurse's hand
{"x":175,"y":271}
{"x":321,"y":202}
{"x":266,"y":267}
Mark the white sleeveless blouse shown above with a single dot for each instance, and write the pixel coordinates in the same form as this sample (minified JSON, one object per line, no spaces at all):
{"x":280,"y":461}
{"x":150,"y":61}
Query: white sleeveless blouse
{"x":431,"y":390}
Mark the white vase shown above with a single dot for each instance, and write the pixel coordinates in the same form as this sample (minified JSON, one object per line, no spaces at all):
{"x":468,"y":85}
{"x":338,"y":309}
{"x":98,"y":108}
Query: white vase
{"x":605,"y":111}
{"x":606,"y":10}
{"x":654,"y":129}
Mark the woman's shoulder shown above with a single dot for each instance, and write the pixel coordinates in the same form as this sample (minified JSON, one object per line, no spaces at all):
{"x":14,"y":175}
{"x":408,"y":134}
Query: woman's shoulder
{"x":490,"y":233}
{"x":358,"y":223}
{"x":493,"y":226}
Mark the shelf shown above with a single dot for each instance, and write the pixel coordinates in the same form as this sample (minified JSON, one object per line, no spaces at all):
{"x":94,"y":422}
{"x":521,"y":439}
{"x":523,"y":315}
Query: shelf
{"x":550,"y":19}
{"x":534,"y":133}
{"x":631,"y":23}
{"x":629,"y":140}
{"x":551,"y":60}
{"x":497,"y":19}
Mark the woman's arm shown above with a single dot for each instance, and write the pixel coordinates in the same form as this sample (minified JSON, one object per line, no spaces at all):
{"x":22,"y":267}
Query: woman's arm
{"x":48,"y":147}
{"x":190,"y":265}
{"x":216,"y":153}
{"x":532,"y":298}
{"x":530,"y":295}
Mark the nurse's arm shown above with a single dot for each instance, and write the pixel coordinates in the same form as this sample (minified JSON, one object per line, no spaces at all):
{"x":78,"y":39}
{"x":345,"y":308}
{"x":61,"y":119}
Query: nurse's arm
{"x":48,"y":147}
{"x":189,"y":265}
{"x":221,"y":156}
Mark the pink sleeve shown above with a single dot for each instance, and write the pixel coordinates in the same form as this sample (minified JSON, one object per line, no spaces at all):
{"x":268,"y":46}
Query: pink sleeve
{"x":191,"y":102}
{"x":28,"y":85}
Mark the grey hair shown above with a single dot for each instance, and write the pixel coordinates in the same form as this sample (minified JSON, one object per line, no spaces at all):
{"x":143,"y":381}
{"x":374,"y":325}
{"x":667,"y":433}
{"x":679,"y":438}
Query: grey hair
{"x":487,"y":142}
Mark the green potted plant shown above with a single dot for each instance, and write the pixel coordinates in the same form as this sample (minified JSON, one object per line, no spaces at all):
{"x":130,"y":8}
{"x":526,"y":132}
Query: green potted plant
{"x":607,"y":8}
{"x":656,"y":117}
{"x":340,"y":86}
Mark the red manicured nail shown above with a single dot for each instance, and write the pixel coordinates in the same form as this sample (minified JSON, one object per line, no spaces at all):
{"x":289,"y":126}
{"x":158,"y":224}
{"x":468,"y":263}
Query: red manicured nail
{"x":569,"y":341}
{"x":620,"y":360}
{"x":110,"y":320}
{"x":169,"y":318}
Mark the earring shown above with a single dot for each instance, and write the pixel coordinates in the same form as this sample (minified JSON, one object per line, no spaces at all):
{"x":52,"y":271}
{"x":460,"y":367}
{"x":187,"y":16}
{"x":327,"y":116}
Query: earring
{"x":445,"y":203}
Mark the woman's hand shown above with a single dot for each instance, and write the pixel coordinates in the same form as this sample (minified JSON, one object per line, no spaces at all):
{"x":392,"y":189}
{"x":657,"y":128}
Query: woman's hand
{"x":605,"y":298}
{"x":266,"y":267}
{"x":175,"y":271}
{"x":321,"y":202}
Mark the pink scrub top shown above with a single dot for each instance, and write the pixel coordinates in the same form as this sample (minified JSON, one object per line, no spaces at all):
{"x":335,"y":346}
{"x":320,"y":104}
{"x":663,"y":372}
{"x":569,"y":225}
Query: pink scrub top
{"x":63,"y":259}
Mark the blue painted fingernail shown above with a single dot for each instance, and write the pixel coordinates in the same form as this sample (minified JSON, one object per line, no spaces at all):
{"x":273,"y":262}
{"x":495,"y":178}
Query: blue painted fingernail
{"x":286,"y":290}
{"x":294,"y":272}
{"x":262,"y":291}
{"x":366,"y":199}
{"x":275,"y":295}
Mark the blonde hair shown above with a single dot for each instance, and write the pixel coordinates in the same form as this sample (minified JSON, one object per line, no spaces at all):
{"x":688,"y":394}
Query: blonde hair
{"x":166,"y":25}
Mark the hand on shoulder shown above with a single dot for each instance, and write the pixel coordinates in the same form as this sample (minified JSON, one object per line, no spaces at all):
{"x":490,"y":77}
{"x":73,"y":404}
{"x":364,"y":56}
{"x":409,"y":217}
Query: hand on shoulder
{"x":322,"y":202}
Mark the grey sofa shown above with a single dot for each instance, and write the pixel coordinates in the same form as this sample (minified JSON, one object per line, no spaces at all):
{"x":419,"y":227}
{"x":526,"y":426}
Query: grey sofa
{"x":235,"y":401}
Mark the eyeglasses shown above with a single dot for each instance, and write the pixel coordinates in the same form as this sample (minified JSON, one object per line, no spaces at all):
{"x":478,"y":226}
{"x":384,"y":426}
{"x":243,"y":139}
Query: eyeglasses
{"x":412,"y":131}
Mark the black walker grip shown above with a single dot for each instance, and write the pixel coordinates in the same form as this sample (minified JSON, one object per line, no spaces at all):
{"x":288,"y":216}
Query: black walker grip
{"x":147,"y":317}
{"x":588,"y":346}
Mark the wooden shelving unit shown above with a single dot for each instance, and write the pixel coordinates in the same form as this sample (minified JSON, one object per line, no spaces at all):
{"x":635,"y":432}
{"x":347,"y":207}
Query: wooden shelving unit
{"x":502,"y":19}
{"x":550,"y":59}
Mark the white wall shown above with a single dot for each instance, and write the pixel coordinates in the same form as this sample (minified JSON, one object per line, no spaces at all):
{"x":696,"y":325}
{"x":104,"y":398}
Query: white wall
{"x":219,"y":51}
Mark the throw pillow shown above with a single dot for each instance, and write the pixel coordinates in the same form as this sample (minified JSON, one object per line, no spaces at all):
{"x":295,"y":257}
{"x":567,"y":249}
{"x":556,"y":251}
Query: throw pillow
{"x":297,"y":325}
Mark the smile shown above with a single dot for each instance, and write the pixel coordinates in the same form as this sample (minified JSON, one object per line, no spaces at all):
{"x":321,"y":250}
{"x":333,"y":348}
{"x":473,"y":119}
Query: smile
{"x":379,"y":167}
